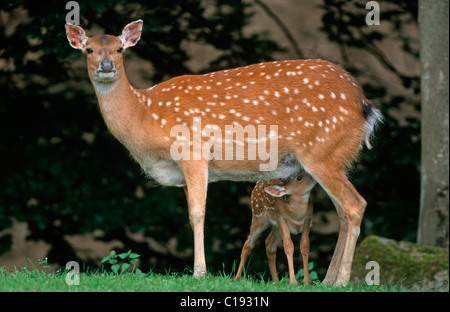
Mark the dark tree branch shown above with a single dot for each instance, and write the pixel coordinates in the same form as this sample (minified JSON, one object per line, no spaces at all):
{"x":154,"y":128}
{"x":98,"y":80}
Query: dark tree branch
{"x":282,"y":27}
{"x":375,"y":51}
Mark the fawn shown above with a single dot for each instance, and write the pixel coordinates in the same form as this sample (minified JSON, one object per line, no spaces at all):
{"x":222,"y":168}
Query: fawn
{"x":286,"y":209}
{"x":317,"y":115}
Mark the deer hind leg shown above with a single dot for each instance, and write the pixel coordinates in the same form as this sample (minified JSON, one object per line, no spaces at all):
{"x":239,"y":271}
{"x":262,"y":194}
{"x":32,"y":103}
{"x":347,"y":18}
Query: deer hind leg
{"x":196,"y":176}
{"x":304,"y":244}
{"x":350,"y":208}
{"x":288,"y":248}
{"x":255,"y":231}
{"x":335,"y":263}
{"x":272,"y":242}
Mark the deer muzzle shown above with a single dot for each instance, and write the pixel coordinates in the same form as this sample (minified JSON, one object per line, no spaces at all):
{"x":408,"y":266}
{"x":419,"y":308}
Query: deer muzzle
{"x":106,"y":71}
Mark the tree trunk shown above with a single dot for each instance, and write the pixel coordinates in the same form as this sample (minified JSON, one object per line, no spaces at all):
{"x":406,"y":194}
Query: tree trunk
{"x":434,"y":201}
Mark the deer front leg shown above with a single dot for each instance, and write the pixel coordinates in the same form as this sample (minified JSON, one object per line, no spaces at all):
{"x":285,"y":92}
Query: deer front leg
{"x":196,"y":176}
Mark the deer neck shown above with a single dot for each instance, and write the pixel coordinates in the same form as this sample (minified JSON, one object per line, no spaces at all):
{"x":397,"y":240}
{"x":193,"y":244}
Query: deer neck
{"x":120,"y":108}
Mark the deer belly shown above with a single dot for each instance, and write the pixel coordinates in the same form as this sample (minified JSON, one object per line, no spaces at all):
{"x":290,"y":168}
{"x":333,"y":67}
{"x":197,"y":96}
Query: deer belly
{"x":252,"y":176}
{"x":166,"y":172}
{"x":287,"y":168}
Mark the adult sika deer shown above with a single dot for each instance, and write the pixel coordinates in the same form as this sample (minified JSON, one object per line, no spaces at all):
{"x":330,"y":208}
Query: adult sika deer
{"x":315,"y":114}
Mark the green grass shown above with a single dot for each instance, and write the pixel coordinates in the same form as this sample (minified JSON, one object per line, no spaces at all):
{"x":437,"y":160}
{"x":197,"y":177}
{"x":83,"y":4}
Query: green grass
{"x":39,"y":281}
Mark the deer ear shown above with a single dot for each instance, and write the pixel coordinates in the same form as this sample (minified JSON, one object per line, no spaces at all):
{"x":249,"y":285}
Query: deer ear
{"x":76,"y":36}
{"x":131,"y":34}
{"x":276,"y":190}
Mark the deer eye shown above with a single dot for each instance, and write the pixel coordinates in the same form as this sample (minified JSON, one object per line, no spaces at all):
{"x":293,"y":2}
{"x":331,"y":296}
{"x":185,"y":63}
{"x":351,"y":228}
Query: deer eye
{"x":119,"y":50}
{"x":89,"y":51}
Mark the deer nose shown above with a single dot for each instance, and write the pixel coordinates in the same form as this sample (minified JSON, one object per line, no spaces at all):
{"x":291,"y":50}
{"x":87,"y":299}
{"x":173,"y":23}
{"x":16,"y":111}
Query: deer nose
{"x":106,"y":66}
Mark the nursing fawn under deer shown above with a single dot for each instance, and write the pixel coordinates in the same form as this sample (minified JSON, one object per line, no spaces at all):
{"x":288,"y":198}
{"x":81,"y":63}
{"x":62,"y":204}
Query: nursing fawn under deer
{"x":286,"y":208}
{"x":318,"y":118}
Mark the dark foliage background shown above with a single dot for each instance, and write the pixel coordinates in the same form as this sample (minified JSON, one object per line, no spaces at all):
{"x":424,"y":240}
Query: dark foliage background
{"x":62,"y":173}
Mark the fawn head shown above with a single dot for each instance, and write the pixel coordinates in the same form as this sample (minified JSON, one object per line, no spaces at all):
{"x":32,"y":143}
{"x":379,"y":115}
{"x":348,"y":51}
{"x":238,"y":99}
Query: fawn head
{"x":297,"y":188}
{"x":104,"y":52}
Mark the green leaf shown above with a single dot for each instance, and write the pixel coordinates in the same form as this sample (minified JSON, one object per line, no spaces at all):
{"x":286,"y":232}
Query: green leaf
{"x":134,"y":255}
{"x":113,"y":261}
{"x":313,"y":276}
{"x":311,"y":266}
{"x":133,"y":261}
{"x":115,"y":268}
{"x":300,"y":274}
{"x":106,"y":259}
{"x":125,"y":266}
{"x":122,"y":255}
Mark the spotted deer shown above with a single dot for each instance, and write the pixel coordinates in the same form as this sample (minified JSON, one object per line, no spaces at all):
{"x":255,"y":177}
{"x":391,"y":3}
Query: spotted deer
{"x":316,"y":114}
{"x":285,"y":208}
